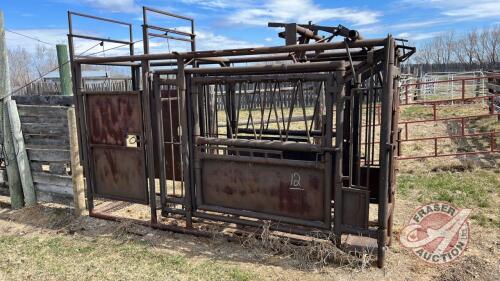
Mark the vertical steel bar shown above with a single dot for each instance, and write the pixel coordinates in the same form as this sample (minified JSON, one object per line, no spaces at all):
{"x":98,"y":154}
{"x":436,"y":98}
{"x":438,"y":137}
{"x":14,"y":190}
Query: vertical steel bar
{"x":330,"y":92}
{"x":193,"y":131}
{"x":395,"y":140}
{"x":160,"y":139}
{"x":181,"y":89}
{"x":339,"y":140}
{"x":148,"y":138}
{"x":385,"y":148}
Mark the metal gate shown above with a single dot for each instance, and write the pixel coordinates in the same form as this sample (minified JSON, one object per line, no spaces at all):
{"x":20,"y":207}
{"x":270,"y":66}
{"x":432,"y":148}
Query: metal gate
{"x":116,"y":156}
{"x":295,"y":143}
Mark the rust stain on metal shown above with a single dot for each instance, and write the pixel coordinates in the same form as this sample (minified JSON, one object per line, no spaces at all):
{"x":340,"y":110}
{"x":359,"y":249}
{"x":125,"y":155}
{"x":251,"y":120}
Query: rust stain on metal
{"x":264,"y":188}
{"x":113,"y":117}
{"x":120,"y":174}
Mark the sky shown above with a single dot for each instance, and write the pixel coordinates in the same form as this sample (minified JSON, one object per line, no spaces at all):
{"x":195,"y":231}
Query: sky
{"x":224,"y":24}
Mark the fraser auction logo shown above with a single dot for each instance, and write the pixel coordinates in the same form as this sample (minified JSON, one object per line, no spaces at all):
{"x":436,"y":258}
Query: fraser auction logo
{"x":437,"y":233}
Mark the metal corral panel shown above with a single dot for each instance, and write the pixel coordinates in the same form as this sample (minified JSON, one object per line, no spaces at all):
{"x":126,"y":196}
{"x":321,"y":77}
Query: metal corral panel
{"x":114,"y":117}
{"x":279,"y":190}
{"x":120,"y":174}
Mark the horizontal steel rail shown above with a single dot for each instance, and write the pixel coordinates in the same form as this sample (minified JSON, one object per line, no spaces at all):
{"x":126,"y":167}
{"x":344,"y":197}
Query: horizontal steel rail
{"x":99,"y":18}
{"x":237,"y":52}
{"x":289,"y":146}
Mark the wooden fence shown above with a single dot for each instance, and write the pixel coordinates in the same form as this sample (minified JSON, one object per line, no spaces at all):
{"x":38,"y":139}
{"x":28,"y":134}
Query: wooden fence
{"x":44,"y":123}
{"x":54,"y":88}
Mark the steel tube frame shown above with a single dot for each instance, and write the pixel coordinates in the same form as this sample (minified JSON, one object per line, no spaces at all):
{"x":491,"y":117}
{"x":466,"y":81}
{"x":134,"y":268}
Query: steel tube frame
{"x":188,"y":82}
{"x":237,"y":52}
{"x":385,"y":149}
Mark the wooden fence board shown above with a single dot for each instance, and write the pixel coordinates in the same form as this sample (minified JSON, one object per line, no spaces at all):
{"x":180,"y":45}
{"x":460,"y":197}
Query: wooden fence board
{"x":60,"y":190}
{"x":43,"y":110}
{"x":43,"y":119}
{"x":44,"y":196}
{"x":49,"y":155}
{"x":53,"y":180}
{"x":44,"y":100}
{"x":46,"y":140}
{"x":46,"y":129}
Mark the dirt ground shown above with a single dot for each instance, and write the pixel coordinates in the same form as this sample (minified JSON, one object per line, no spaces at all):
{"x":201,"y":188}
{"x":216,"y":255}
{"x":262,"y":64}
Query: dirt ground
{"x":47,"y":243}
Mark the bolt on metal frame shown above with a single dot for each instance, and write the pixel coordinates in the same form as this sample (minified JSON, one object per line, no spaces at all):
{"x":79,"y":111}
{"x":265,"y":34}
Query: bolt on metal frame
{"x":321,"y":177}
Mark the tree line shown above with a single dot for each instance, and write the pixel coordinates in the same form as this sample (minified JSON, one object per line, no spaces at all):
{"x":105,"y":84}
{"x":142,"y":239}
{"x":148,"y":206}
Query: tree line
{"x":472,"y":50}
{"x":25,"y":66}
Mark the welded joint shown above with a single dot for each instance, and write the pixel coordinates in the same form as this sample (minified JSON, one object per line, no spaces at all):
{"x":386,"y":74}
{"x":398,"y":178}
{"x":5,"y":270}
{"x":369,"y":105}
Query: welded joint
{"x":389,"y":147}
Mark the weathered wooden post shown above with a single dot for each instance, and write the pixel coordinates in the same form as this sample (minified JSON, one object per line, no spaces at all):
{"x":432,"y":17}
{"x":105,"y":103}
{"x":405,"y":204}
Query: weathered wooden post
{"x":15,"y":187}
{"x":76,"y":167}
{"x":64,"y":70}
{"x":21,"y":156}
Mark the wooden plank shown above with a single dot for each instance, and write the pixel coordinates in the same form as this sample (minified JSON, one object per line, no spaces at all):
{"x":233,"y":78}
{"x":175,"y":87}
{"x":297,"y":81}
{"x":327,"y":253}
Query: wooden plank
{"x":52,"y":179}
{"x":56,"y":189}
{"x":46,"y":140}
{"x":59,"y":100}
{"x":49,"y":155}
{"x":36,"y":167}
{"x":45,"y":110}
{"x":50,"y":197}
{"x":43,"y":119}
{"x":44,"y":129}
{"x":21,"y":155}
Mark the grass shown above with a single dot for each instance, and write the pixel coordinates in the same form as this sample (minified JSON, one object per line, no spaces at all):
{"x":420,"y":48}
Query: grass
{"x":477,"y":189}
{"x":465,"y":189}
{"x":65,"y":258}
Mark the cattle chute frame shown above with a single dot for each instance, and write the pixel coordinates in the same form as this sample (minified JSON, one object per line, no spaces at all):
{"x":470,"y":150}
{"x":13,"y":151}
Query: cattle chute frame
{"x":286,"y":134}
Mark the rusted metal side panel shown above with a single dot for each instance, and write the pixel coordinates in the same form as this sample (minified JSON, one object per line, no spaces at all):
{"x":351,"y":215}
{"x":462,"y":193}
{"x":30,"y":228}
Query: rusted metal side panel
{"x":294,"y":192}
{"x":120,"y":174}
{"x":355,"y":207}
{"x":114,"y":117}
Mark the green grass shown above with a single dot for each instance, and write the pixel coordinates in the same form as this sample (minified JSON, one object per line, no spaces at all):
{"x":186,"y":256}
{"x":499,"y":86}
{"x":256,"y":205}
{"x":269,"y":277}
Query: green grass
{"x":465,"y":189}
{"x":43,"y":257}
{"x":416,"y":112}
{"x":476,"y":189}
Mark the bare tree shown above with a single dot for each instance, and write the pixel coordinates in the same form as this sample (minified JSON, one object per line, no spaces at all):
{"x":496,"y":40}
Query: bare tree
{"x":19,"y":66}
{"x":490,"y":38}
{"x":44,"y":60}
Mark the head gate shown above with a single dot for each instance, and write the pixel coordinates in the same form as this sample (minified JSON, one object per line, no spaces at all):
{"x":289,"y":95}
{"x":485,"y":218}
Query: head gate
{"x":302,"y":135}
